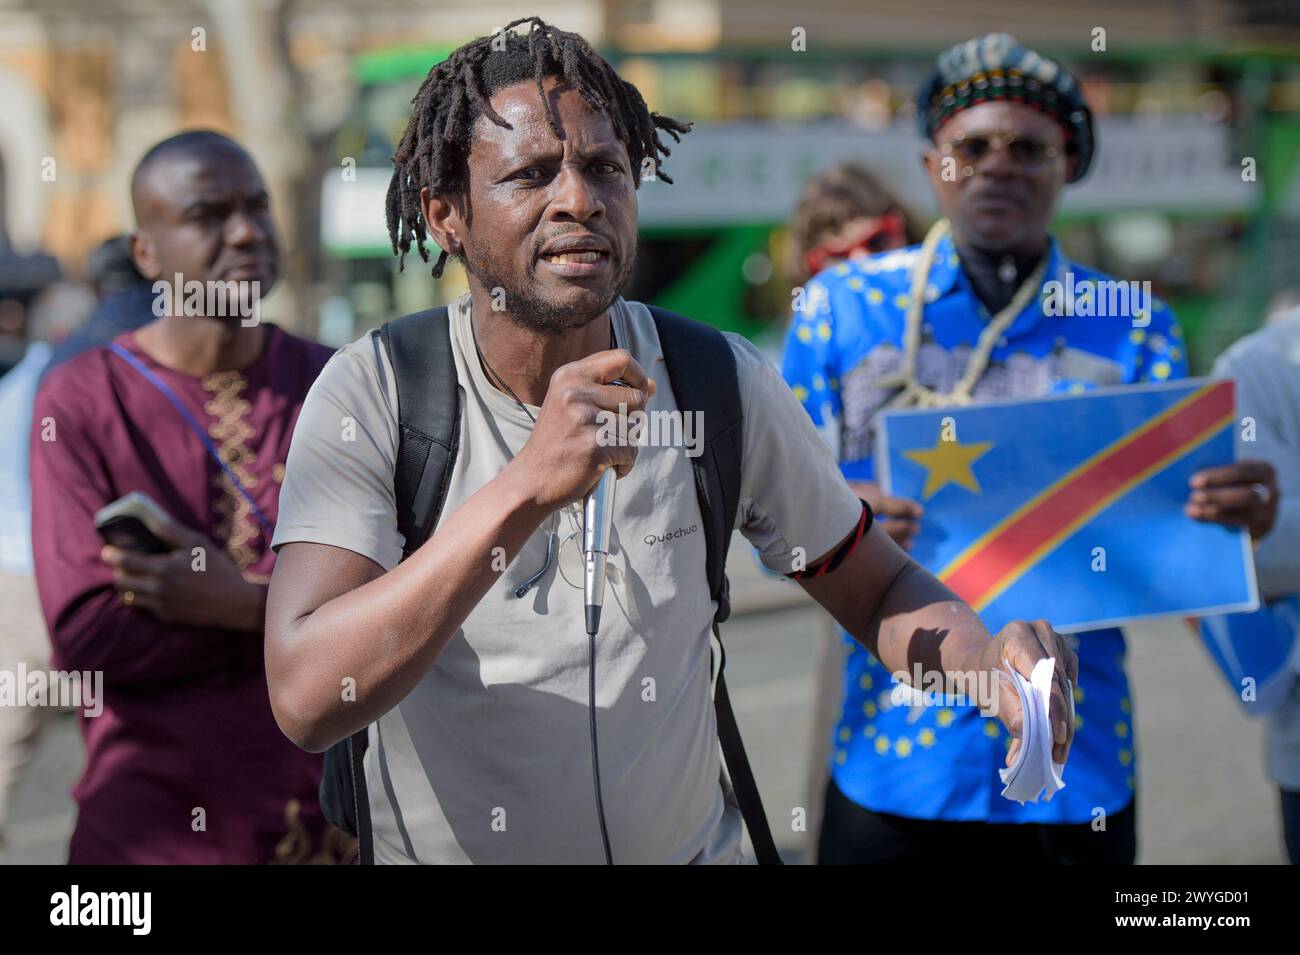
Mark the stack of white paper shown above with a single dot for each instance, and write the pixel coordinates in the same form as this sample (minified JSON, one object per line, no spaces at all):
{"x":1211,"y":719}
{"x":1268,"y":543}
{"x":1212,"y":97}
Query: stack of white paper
{"x":1034,"y":772}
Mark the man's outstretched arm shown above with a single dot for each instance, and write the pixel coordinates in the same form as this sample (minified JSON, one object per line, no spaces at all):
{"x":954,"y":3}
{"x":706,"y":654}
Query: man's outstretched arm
{"x":902,"y":613}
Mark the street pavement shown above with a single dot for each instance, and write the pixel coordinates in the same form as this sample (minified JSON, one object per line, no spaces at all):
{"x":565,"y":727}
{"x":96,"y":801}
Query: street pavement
{"x":1203,"y":793}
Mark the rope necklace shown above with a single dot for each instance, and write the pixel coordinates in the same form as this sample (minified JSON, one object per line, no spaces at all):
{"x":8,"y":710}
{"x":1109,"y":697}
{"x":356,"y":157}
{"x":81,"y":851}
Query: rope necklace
{"x":913,"y":393}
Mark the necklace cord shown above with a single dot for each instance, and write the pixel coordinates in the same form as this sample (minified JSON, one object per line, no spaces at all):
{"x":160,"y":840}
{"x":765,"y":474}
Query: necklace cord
{"x":913,"y":393}
{"x":497,"y":380}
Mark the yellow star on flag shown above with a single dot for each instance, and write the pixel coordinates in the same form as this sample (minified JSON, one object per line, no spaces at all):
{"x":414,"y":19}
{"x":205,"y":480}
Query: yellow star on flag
{"x":949,"y":462}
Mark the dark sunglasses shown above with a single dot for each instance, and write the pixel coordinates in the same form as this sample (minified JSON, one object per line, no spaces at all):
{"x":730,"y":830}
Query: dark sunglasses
{"x":1024,"y":150}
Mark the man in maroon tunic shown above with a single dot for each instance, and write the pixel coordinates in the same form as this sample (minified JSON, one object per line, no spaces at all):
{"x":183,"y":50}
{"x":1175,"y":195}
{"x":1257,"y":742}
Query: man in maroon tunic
{"x":185,"y":763}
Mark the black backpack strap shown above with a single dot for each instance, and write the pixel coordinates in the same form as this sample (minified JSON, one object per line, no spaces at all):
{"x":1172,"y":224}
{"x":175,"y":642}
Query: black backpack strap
{"x":428,"y":414}
{"x":356,"y":753}
{"x":702,"y":368}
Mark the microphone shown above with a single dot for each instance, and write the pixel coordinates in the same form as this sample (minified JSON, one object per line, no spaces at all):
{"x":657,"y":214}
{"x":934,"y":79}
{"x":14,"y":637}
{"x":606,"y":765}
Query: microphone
{"x":597,"y":518}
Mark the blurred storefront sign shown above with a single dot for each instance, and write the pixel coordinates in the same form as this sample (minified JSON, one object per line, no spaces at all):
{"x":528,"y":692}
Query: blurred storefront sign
{"x":752,"y":172}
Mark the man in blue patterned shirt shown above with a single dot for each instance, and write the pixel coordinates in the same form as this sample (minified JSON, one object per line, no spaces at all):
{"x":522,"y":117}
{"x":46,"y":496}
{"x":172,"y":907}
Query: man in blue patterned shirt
{"x":975,"y":314}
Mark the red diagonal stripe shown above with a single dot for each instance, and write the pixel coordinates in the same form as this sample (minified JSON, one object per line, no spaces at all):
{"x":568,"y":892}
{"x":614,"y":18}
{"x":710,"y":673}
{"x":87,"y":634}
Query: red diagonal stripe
{"x":1037,"y":525}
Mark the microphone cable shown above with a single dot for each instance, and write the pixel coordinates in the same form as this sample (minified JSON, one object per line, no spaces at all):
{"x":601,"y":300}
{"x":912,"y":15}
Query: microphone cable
{"x":591,"y":703}
{"x":595,"y":755}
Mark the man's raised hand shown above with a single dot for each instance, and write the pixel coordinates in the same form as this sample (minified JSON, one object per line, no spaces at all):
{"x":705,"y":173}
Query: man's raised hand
{"x":564,"y":458}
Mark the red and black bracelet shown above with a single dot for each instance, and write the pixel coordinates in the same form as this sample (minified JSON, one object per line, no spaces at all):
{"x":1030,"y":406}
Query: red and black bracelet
{"x":842,"y":552}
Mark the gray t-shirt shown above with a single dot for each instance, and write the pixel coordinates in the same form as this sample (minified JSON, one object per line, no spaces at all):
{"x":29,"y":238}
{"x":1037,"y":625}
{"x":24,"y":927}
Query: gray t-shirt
{"x":488,"y":759}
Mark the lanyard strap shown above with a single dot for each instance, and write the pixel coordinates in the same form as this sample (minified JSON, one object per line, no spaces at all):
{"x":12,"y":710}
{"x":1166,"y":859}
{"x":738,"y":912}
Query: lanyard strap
{"x":197,"y":428}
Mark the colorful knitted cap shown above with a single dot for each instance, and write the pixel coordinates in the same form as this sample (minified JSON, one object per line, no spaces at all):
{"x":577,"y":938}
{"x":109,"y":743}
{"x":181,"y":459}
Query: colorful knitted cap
{"x":996,"y":67}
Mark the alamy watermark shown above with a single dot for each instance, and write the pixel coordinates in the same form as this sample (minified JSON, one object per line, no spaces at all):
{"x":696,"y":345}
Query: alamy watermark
{"x":65,"y":689}
{"x":934,"y":688}
{"x":133,"y":910}
{"x":236,"y":298}
{"x":1099,"y":298}
{"x":656,"y":429}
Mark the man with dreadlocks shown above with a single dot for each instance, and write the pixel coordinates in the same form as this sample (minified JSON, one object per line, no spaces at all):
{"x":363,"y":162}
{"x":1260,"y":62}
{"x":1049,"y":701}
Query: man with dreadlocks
{"x":962,"y":318}
{"x":522,"y":160}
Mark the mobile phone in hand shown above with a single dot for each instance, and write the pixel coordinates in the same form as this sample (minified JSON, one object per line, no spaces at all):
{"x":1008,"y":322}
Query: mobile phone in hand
{"x":130,"y":522}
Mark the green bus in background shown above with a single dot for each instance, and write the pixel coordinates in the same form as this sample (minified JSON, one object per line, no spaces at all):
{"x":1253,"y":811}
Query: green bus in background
{"x":1195,"y":185}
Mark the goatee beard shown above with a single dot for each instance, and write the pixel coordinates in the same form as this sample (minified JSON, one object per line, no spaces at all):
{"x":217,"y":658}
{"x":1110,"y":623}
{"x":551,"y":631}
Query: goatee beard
{"x":537,"y":313}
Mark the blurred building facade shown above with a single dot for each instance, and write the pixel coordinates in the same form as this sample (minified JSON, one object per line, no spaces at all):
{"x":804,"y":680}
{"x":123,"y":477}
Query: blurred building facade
{"x":319,"y":89}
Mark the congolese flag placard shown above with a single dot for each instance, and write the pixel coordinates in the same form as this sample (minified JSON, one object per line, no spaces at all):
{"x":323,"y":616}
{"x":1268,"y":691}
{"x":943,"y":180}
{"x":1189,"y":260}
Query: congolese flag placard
{"x":1071,"y":507}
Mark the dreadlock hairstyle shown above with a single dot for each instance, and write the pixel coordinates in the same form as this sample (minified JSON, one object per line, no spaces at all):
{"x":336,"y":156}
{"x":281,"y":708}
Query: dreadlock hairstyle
{"x":434,"y":148}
